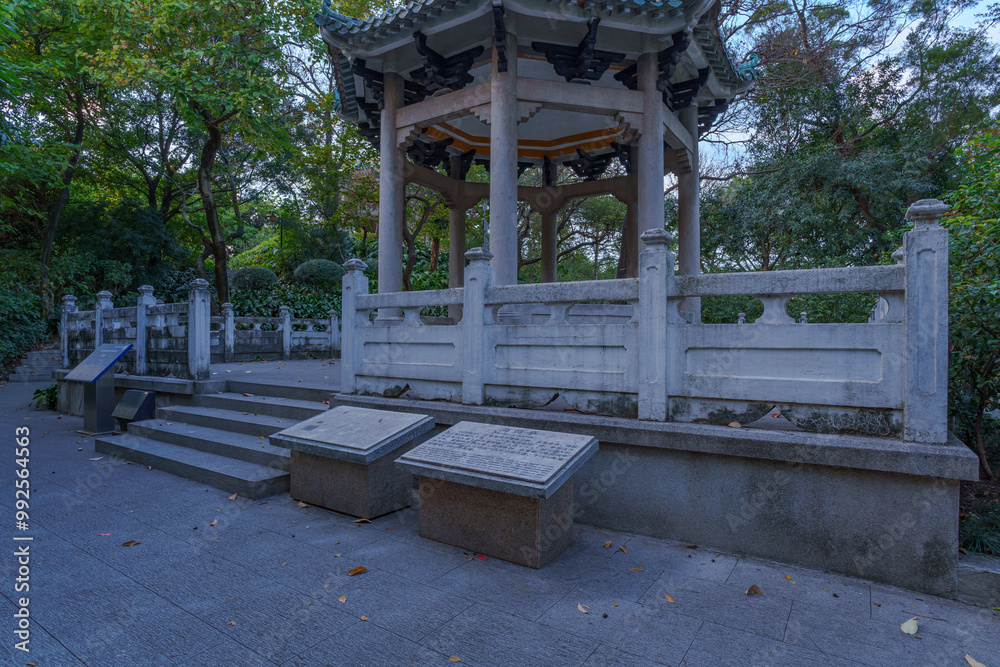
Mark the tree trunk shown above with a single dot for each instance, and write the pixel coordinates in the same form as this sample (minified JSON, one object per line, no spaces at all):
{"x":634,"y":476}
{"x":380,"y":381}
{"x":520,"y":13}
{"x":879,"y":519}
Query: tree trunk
{"x":218,"y":237}
{"x":48,"y":244}
{"x":980,"y":447}
{"x":435,"y":252}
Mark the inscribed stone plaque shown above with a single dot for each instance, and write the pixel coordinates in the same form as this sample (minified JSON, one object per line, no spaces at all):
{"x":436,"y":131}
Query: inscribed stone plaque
{"x":506,"y":458}
{"x":353,"y":434}
{"x":98,"y":363}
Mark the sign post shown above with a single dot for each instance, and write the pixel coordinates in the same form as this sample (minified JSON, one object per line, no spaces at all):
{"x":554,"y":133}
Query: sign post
{"x":98,"y":387}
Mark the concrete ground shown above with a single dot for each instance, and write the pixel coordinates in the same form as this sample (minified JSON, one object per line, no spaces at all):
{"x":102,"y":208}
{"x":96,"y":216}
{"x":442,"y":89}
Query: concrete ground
{"x":233,"y":582}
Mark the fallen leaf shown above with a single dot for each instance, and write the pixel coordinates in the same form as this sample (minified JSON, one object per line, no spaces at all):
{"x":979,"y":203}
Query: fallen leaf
{"x":787,"y":578}
{"x":97,"y":459}
{"x":342,"y":598}
{"x":326,"y":402}
{"x":214,"y":522}
{"x":691,"y":546}
{"x":363,"y":618}
{"x":454,"y":658}
{"x":130,"y":543}
{"x":246,"y":394}
{"x":336,"y":555}
{"x":622,"y":548}
{"x":635,"y":569}
{"x":149,"y":467}
{"x":670,"y":599}
{"x":233,"y":497}
{"x":583,"y":608}
{"x":302,"y":504}
{"x":326,"y":585}
{"x":482,"y":557}
{"x":232,"y":622}
{"x":972,"y":661}
{"x":356,"y":570}
{"x":735,"y":425}
{"x":362,"y":521}
{"x":755,"y":589}
{"x":607,"y":545}
{"x":910,"y":627}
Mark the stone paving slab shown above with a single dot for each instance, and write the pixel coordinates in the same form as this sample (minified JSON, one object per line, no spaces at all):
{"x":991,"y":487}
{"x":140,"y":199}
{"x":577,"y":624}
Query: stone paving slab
{"x":263,"y":586}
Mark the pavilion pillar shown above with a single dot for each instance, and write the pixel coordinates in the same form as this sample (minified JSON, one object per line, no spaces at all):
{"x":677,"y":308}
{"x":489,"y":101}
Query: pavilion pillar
{"x":550,"y":243}
{"x":456,"y":230}
{"x":390,"y":200}
{"x":649,"y":207}
{"x":631,"y":241}
{"x":503,"y":166}
{"x":689,"y":214}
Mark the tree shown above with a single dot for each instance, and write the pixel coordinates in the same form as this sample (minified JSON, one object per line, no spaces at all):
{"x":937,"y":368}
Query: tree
{"x":974,"y":223}
{"x":221,"y":60}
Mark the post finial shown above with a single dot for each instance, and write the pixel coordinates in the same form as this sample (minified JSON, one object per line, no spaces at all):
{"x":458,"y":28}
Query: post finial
{"x":926,"y":212}
{"x":479,"y":255}
{"x":199,"y":284}
{"x":653,"y":237}
{"x":355,"y":264}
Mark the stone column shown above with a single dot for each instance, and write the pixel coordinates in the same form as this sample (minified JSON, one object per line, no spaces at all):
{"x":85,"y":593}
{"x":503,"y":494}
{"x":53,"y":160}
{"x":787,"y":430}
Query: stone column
{"x":229,"y":333}
{"x":69,"y":306}
{"x":550,"y":245}
{"x":656,"y":269}
{"x":199,"y":330}
{"x":925,"y":325}
{"x":103,"y":302}
{"x":649,"y":213}
{"x":286,"y":332}
{"x":355,"y":282}
{"x":479,"y":280}
{"x":390,"y":200}
{"x":146,"y":299}
{"x":689,"y":214}
{"x":333,"y":328}
{"x":503,"y":166}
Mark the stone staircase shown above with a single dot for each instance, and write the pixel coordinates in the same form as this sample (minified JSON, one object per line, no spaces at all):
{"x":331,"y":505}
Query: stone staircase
{"x":37,"y":367}
{"x":220,"y":439}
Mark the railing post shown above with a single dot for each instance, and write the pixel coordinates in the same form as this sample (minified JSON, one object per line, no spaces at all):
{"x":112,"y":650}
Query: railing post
{"x":355,"y":282}
{"x":199,"y":330}
{"x":333,"y":329}
{"x":656,"y":274}
{"x":286,"y":332}
{"x":145,"y":300}
{"x":103,"y":301}
{"x":228,"y":333}
{"x":925,"y":324}
{"x":69,"y":306}
{"x":478,"y":279}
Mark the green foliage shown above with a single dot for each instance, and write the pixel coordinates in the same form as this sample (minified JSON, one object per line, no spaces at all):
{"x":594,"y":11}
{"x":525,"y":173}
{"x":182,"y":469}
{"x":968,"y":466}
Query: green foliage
{"x":47,"y":397}
{"x":819,"y":308}
{"x":974,"y":326}
{"x":302,"y":301}
{"x":320,"y":273}
{"x":21,"y":314}
{"x":980,"y":533}
{"x":254,"y":277}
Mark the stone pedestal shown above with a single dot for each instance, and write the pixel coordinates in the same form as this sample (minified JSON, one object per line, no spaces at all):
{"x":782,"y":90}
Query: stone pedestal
{"x":342,"y":459}
{"x":499,"y":490}
{"x":526,"y":531}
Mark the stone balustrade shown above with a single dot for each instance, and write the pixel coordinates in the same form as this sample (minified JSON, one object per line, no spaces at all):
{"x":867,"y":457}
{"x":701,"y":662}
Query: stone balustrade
{"x":183,"y":339}
{"x":624,"y":347}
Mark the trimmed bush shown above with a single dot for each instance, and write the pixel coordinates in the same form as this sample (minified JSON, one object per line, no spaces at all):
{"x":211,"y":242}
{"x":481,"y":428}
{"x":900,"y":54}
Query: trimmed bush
{"x":320,"y":273}
{"x":21,"y":314}
{"x":254,"y":277}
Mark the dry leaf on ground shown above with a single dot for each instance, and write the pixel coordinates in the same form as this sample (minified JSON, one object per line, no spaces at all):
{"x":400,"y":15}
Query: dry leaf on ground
{"x":130,"y":543}
{"x":670,"y":599}
{"x":481,"y":557}
{"x":246,"y":394}
{"x":787,"y":578}
{"x":690,"y":546}
{"x":232,"y":622}
{"x":582,"y":608}
{"x":342,"y":598}
{"x":736,"y":425}
{"x":622,"y":548}
{"x":362,"y":521}
{"x":214,"y":522}
{"x":910,"y":627}
{"x":356,"y":570}
{"x":755,"y":589}
{"x":363,"y":618}
{"x":972,"y":661}
{"x":302,"y":504}
{"x":635,"y":569}
{"x":454,"y":658}
{"x":607,"y":545}
{"x":233,"y":497}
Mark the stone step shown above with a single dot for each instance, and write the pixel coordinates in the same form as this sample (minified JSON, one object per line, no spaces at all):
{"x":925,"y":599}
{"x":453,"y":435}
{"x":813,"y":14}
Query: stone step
{"x":286,"y":408}
{"x":26,"y":377}
{"x":247,"y":479}
{"x":234,"y":421}
{"x":44,"y":357}
{"x":297,"y":390}
{"x":45,"y":365}
{"x":253,"y":449}
{"x":33,"y":371}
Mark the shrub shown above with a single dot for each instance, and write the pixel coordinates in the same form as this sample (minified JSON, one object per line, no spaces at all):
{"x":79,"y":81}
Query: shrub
{"x":302,"y":300}
{"x":321,"y":273}
{"x":254,"y":277}
{"x":21,"y":314}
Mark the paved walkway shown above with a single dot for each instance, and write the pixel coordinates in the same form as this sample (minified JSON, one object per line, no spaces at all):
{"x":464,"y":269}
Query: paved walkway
{"x":231,"y":582}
